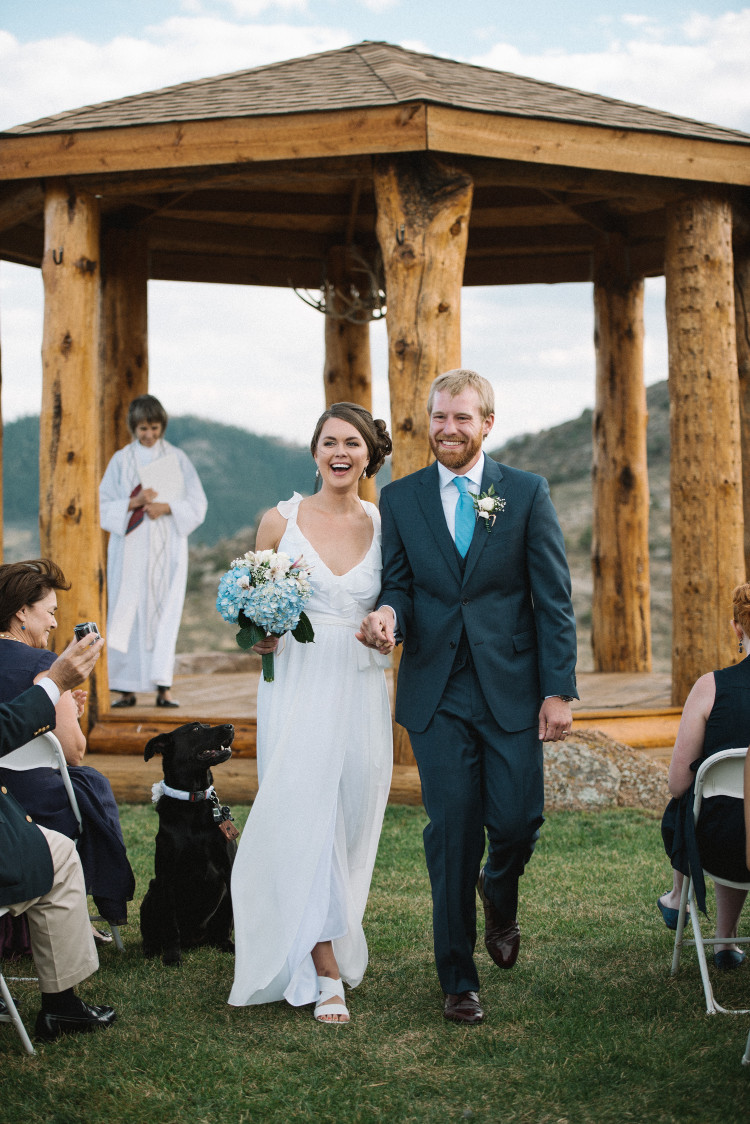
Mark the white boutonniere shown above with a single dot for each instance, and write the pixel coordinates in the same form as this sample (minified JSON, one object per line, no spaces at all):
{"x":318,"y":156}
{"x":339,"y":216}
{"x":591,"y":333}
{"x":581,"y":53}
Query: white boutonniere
{"x":488,"y":506}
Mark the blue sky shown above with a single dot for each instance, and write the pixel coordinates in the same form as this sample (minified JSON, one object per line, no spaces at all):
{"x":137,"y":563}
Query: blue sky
{"x":535,"y":343}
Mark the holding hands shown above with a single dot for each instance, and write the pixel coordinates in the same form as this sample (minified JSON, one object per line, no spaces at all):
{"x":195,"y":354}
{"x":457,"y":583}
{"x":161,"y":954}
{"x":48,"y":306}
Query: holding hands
{"x":378,"y":630}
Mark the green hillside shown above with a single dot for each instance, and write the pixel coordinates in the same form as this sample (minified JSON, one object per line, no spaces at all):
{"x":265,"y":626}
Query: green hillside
{"x":563,"y":453}
{"x":243,"y":474}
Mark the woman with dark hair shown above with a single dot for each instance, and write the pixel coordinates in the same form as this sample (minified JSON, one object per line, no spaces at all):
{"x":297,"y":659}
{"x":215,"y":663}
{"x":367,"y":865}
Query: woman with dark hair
{"x":150,"y":500}
{"x":28,"y":604}
{"x":716,"y":716}
{"x":303,"y":870}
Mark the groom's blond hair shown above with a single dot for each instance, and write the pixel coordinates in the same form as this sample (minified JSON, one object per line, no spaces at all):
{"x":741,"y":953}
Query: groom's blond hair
{"x":454,"y":382}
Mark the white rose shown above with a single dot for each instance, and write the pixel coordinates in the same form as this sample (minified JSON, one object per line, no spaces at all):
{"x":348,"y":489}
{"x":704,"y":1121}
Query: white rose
{"x":485,"y":505}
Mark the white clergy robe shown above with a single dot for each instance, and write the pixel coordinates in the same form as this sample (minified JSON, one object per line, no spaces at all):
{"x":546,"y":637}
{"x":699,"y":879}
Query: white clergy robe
{"x":146,"y":569}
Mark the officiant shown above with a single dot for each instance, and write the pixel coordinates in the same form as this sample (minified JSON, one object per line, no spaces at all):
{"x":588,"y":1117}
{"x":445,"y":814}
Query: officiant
{"x":150,"y":500}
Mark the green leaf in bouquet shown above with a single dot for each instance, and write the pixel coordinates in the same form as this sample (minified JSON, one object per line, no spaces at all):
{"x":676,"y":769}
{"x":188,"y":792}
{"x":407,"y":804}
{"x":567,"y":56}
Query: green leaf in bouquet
{"x":304,"y":630}
{"x":249,"y":634}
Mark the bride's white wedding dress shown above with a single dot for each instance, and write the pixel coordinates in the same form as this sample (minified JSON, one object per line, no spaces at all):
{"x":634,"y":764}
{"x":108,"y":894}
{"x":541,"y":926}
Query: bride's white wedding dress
{"x":305,"y":860}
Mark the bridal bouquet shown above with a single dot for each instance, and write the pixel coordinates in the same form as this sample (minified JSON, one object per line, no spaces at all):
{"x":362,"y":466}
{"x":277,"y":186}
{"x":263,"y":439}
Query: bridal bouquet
{"x":265,"y":592}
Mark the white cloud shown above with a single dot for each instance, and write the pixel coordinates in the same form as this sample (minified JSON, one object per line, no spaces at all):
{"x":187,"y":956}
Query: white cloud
{"x":699,"y":70}
{"x":48,"y":76}
{"x":251,"y":9}
{"x":379,"y":6}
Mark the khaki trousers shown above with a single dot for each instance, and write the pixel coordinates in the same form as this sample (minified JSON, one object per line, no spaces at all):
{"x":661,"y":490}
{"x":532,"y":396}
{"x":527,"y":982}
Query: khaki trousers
{"x":62,"y":943}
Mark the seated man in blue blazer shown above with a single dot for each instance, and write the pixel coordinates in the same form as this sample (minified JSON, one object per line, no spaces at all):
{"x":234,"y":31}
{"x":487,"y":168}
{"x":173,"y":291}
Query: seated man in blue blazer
{"x":40,"y":872}
{"x":476,"y":584}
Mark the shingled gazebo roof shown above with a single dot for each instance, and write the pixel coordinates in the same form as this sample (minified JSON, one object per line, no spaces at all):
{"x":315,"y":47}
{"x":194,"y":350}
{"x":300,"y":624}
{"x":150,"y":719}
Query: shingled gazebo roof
{"x":371,"y":74}
{"x":252,"y":177}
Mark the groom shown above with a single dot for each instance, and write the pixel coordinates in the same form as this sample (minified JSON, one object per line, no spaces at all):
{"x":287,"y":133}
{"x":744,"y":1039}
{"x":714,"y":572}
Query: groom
{"x":476,"y":584}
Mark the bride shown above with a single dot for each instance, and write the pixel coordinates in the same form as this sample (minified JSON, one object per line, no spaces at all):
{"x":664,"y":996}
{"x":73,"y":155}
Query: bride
{"x":305,"y":860}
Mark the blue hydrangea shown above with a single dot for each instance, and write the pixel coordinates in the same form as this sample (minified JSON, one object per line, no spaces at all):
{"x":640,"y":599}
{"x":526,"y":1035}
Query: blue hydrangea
{"x":232,"y":597}
{"x":275,"y":606}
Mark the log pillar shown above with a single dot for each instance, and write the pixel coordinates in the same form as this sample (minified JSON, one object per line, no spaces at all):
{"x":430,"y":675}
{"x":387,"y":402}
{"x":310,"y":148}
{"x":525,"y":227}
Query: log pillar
{"x":69,"y":457}
{"x":347,"y":374}
{"x":742,"y":320}
{"x":621,"y":608}
{"x":422,"y":226}
{"x":706,"y":469}
{"x":123,"y":337}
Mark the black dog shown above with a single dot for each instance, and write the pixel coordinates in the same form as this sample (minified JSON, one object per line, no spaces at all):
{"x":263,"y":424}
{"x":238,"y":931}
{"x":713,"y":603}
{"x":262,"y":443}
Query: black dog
{"x":188,"y":903}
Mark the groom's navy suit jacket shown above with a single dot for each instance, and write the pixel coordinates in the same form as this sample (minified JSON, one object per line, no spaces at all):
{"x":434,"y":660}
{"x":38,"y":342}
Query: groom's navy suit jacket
{"x":512,"y":599}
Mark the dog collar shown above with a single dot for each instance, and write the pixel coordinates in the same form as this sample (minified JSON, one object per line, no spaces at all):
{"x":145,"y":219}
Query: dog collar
{"x":161,"y":789}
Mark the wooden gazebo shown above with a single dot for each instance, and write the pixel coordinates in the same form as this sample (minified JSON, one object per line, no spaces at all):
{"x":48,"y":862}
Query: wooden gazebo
{"x":376,"y":168}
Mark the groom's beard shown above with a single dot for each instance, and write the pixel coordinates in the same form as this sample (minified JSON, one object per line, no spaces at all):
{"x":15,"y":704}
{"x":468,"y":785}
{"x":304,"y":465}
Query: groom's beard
{"x":458,"y":458}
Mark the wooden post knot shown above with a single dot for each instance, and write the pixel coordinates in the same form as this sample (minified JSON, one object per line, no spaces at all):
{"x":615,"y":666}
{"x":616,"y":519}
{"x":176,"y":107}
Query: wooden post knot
{"x":442,"y":307}
{"x":85,"y":265}
{"x":456,"y":228}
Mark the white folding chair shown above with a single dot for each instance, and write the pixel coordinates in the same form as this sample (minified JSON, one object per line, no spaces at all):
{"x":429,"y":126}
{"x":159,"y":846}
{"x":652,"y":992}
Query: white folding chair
{"x":721,"y":774}
{"x":45,"y":751}
{"x":12,"y":1015}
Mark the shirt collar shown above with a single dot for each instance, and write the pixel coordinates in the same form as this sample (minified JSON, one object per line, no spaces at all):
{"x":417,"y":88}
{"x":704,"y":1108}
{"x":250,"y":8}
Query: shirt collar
{"x":474,"y":475}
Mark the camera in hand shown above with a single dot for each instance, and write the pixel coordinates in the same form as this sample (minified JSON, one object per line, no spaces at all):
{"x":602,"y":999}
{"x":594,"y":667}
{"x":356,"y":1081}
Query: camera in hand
{"x":84,"y":629}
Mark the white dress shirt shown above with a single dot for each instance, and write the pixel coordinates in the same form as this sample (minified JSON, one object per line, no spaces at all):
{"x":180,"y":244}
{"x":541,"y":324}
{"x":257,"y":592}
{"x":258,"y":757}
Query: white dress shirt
{"x":51,"y":688}
{"x":449,"y":491}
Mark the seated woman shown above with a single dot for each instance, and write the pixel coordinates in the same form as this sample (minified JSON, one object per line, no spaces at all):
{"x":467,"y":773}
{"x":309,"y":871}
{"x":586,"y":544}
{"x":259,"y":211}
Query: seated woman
{"x":28,"y":603}
{"x":716,"y":716}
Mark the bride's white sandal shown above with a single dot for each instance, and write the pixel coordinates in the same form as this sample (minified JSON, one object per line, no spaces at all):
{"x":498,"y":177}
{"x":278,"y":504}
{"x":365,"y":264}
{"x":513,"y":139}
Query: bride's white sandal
{"x":329,"y":989}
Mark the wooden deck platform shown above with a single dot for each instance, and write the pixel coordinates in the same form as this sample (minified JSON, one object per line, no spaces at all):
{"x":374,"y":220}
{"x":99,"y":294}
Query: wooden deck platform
{"x":631,"y":708}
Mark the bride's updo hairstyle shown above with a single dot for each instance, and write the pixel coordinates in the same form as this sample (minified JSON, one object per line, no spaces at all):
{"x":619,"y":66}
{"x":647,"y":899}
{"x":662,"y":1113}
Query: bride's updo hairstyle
{"x":741,"y":606}
{"x":372,"y":431}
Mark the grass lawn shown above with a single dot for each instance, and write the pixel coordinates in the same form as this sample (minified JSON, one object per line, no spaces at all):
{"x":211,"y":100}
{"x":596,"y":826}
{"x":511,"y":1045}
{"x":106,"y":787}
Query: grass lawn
{"x":589,"y":1026}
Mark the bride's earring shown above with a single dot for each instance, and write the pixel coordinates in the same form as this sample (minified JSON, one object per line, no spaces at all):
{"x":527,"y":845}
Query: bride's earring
{"x":317,"y":473}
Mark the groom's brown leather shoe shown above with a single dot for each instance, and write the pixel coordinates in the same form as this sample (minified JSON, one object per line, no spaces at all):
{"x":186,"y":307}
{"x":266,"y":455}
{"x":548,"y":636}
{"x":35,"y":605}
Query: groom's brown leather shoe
{"x":502,"y":937}
{"x":463,"y":1008}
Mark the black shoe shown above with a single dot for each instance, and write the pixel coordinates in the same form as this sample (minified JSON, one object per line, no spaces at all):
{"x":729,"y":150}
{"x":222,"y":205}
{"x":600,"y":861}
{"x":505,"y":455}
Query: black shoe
{"x":48,"y":1027}
{"x":463,"y":1008}
{"x":502,"y":936}
{"x":161,"y":701}
{"x":124,"y":700}
{"x":728,"y":959}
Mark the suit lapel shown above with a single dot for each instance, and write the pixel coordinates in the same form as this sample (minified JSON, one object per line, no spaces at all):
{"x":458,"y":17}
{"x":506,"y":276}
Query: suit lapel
{"x":491,"y":476}
{"x":428,"y":494}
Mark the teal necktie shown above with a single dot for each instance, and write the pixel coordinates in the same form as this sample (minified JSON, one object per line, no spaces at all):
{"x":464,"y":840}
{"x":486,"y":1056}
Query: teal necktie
{"x":465,"y":516}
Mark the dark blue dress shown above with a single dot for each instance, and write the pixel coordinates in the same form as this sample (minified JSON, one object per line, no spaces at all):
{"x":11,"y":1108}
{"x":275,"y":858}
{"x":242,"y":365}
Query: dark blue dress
{"x":109,"y":877}
{"x":719,"y":837}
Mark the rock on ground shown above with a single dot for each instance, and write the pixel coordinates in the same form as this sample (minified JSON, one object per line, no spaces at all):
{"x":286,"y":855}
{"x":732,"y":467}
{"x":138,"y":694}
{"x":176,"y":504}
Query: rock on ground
{"x":590,"y":770}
